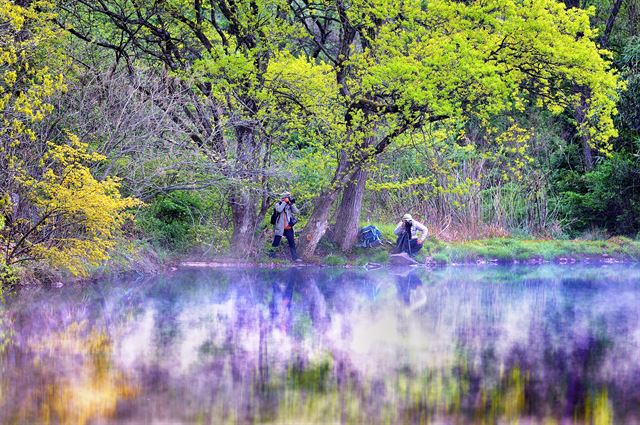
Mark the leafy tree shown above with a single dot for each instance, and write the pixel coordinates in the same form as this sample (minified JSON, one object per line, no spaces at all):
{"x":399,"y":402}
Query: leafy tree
{"x":399,"y":66}
{"x":53,"y":209}
{"x":604,"y":198}
{"x":607,"y":197}
{"x":219,"y":52}
{"x":350,"y":78}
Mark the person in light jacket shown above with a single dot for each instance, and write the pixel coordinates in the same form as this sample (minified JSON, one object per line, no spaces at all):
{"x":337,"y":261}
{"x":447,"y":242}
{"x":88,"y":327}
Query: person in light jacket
{"x":286,"y":210}
{"x":408,"y":239}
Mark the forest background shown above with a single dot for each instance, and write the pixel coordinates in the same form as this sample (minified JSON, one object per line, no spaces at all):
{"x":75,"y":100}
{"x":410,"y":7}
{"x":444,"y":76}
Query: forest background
{"x":172,"y":126}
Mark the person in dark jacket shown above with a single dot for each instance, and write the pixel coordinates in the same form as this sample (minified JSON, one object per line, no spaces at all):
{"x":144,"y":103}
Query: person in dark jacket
{"x":286,"y":210}
{"x":411,"y":235}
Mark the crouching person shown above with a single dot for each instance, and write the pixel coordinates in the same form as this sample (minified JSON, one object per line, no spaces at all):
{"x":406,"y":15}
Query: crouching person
{"x":285,"y":211}
{"x":411,"y":235}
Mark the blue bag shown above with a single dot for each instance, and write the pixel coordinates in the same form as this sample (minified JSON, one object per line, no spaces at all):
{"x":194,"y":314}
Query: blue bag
{"x":369,"y":237}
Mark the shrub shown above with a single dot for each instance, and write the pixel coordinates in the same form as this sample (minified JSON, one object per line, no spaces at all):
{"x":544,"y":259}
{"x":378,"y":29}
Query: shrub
{"x":181,"y":221}
{"x":334,"y":260}
{"x":602,"y":198}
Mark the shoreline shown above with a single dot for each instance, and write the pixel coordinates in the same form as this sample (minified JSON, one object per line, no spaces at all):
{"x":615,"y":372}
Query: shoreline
{"x":436,"y":254}
{"x":222,"y":263}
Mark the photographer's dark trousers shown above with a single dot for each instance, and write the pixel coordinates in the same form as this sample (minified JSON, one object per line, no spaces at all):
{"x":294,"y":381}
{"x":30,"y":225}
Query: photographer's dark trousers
{"x":411,"y":247}
{"x":288,"y":233}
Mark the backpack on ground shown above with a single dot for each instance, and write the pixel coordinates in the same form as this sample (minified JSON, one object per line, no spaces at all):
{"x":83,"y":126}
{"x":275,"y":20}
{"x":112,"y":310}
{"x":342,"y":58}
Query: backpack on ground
{"x":370,"y":237}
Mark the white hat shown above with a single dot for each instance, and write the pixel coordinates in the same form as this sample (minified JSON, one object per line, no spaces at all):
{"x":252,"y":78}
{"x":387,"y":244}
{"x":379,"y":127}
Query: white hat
{"x":407,"y":217}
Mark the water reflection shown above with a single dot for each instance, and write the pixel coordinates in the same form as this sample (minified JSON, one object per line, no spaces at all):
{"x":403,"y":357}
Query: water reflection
{"x":535,"y":345}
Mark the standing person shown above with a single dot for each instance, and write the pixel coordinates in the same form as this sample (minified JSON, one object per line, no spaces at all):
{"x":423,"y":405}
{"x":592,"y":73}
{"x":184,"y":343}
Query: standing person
{"x":285,"y":209}
{"x":407,"y":232}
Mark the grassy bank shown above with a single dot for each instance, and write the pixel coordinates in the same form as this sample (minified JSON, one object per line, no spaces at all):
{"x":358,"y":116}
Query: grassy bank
{"x":509,"y":250}
{"x":502,"y":251}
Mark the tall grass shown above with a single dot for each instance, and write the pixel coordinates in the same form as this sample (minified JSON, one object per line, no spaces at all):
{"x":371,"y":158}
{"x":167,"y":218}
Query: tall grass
{"x":509,"y":250}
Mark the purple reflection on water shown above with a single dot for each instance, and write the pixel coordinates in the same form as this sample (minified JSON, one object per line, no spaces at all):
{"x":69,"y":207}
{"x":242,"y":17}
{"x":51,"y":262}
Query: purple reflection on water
{"x":327,"y":346}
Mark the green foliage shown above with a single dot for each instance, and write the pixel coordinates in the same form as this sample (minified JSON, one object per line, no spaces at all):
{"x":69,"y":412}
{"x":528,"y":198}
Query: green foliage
{"x":386,"y":229}
{"x":432,"y":245}
{"x":505,"y":250}
{"x":630,"y":99}
{"x":440,"y":258}
{"x":378,"y":255}
{"x":508,"y":250}
{"x":607,"y":197}
{"x":181,"y":221}
{"x":334,"y":260}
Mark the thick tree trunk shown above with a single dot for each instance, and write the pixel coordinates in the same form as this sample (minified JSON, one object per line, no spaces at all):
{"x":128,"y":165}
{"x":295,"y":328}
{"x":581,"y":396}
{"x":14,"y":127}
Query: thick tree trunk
{"x":243,"y":212}
{"x":318,"y":222}
{"x":586,"y":151}
{"x":317,"y":225}
{"x":244,"y":199}
{"x":345,"y":231}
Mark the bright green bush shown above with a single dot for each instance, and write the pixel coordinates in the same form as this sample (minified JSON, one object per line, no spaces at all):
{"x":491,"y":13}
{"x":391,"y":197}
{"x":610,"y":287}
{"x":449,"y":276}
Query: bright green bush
{"x":183,"y":221}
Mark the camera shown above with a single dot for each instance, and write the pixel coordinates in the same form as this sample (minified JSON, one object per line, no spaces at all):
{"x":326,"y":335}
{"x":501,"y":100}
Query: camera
{"x":292,"y":200}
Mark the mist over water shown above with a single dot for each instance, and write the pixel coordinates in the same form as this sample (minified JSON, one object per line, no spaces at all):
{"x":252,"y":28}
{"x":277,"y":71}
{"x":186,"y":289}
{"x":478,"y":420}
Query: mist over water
{"x":459,"y":345}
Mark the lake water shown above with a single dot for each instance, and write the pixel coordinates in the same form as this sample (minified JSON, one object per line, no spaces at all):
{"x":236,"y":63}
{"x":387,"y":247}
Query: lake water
{"x":549,"y":344}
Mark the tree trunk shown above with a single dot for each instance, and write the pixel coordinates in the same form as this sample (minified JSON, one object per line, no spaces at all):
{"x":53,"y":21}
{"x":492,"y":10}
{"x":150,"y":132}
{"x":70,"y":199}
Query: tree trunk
{"x":318,"y":222}
{"x":317,"y":225}
{"x":604,"y":39}
{"x":345,"y":231}
{"x":243,"y":212}
{"x":244,"y":198}
{"x":586,"y":150}
{"x":581,"y":116}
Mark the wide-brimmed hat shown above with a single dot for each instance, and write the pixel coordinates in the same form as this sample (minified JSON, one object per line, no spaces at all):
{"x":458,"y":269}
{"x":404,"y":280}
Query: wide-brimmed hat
{"x":407,"y":217}
{"x":285,"y":195}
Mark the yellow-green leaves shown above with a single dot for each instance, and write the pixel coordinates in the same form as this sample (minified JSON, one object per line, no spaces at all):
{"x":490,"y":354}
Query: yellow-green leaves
{"x":52,"y":208}
{"x":303,"y":96}
{"x":69,"y":196}
{"x":410,"y":64}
